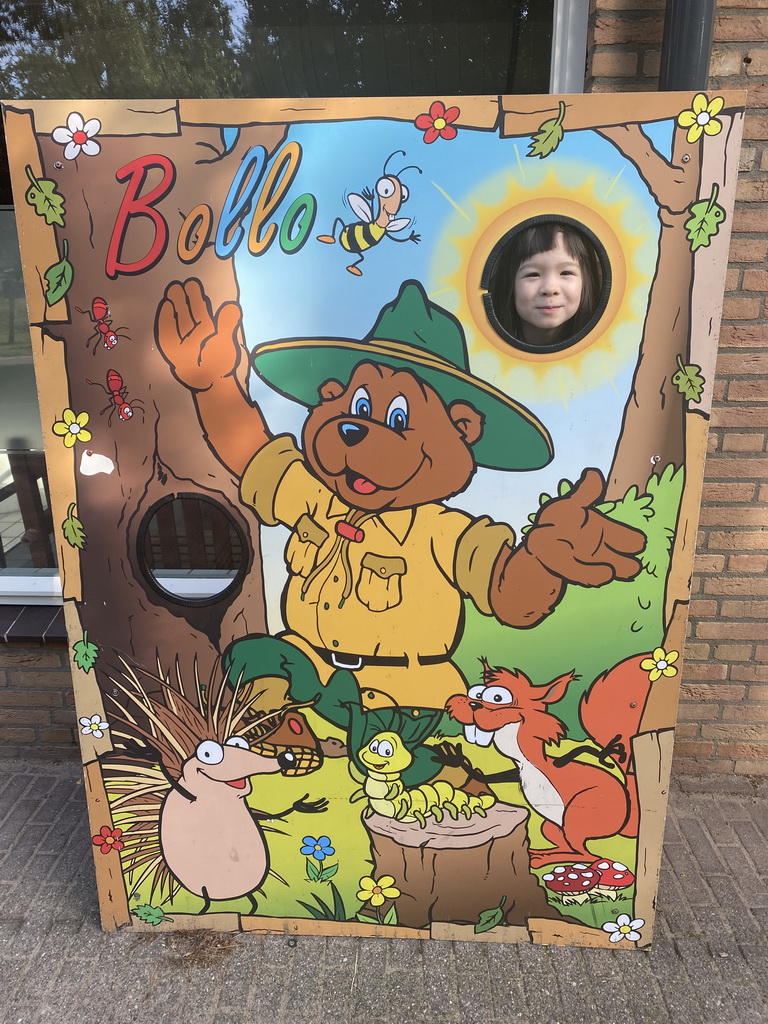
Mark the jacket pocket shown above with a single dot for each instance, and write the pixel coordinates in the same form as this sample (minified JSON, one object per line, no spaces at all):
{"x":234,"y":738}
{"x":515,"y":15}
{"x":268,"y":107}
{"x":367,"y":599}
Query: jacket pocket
{"x":379,"y":584}
{"x":306,"y":540}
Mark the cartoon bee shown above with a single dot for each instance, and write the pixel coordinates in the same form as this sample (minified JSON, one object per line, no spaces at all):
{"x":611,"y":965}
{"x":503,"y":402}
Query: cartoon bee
{"x":363,"y":234}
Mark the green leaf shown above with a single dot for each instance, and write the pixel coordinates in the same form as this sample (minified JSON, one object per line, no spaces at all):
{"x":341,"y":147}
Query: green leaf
{"x":688,"y":381}
{"x":72,"y":528}
{"x":151,"y":915}
{"x":59,"y":278}
{"x":391,"y":915}
{"x":313,"y":871}
{"x":364,"y":919}
{"x":86,"y":653}
{"x":328,"y":872}
{"x":327,"y":912}
{"x":488,"y":919}
{"x":340,"y":913}
{"x":46,"y":201}
{"x":549,"y":136}
{"x":317,"y":914}
{"x":705,"y":220}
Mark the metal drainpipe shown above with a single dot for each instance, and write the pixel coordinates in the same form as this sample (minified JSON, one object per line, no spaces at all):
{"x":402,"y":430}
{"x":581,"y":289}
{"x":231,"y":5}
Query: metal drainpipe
{"x":689,"y":27}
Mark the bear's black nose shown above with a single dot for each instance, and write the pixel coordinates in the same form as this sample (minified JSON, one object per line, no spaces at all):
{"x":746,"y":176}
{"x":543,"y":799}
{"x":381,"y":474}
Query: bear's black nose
{"x":352,"y":433}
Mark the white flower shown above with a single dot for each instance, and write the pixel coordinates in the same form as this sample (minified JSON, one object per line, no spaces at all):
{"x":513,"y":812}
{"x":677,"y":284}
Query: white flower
{"x":624,"y":928}
{"x":93,"y":726}
{"x":77,"y":137}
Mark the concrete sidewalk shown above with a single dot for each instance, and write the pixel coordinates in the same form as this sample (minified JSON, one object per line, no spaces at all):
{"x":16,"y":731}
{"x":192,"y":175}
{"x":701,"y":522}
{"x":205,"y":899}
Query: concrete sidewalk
{"x":709,"y":964}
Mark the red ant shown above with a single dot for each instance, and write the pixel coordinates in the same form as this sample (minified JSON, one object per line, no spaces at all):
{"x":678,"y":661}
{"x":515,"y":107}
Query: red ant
{"x":118,"y":393}
{"x":99,"y":314}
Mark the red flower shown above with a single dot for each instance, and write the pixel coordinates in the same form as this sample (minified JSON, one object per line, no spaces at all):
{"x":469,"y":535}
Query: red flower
{"x":437,"y":123}
{"x":108,"y":839}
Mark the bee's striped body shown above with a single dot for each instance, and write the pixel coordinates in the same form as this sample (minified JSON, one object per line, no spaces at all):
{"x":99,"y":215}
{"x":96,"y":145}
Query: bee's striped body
{"x":360,"y":236}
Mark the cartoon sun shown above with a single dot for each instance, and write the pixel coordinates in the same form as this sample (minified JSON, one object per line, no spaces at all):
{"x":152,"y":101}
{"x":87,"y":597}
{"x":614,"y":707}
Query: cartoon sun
{"x":580,"y":193}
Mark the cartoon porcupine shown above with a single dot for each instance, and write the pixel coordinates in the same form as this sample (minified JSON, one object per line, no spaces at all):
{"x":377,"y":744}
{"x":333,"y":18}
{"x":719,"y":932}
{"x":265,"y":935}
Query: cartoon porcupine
{"x":179,"y":781}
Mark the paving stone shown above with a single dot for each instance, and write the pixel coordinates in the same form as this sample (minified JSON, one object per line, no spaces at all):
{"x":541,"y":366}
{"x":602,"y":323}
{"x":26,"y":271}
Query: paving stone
{"x":680,"y":997}
{"x":701,"y":846}
{"x":405,"y":955}
{"x":714,"y":784}
{"x":754,"y":841}
{"x":689,"y":877}
{"x":475,"y":983}
{"x":735,"y":808}
{"x":643,"y":992}
{"x":736,"y":911}
{"x":539,"y":971}
{"x":704,"y":976}
{"x":337,"y":999}
{"x":715,"y":823}
{"x":53,"y":801}
{"x":673,"y":903}
{"x":672,"y":833}
{"x":15,"y":786}
{"x":752,"y":887}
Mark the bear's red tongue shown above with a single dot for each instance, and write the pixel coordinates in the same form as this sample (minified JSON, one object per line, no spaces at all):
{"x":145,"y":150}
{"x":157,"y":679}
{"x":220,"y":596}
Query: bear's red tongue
{"x":237,"y":783}
{"x":363,"y":486}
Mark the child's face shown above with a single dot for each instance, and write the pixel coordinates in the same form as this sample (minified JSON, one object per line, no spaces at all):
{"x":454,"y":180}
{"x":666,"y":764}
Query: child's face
{"x":547,"y":292}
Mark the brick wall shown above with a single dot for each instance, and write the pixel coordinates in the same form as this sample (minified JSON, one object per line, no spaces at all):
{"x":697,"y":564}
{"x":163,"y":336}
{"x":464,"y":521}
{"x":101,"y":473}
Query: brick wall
{"x":723,"y":720}
{"x":37,"y":714}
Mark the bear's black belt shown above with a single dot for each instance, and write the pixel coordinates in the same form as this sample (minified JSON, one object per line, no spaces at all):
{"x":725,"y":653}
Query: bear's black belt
{"x":353,"y":662}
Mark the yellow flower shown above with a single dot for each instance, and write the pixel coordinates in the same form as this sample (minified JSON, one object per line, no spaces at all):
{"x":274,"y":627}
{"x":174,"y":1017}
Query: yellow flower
{"x":72,"y":427}
{"x":660,"y":664}
{"x":701,"y":117}
{"x":374,"y":892}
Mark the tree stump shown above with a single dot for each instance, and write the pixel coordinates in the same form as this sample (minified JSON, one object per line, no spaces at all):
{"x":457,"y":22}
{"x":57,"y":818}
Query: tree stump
{"x":453,"y":870}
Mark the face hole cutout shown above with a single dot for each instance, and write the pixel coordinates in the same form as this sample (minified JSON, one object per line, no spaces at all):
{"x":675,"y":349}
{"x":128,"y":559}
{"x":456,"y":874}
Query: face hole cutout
{"x":546,"y":284}
{"x":191,"y":550}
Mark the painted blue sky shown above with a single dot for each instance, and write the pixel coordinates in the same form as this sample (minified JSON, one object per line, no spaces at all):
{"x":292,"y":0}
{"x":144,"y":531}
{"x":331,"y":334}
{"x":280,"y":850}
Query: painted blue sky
{"x":310,"y":294}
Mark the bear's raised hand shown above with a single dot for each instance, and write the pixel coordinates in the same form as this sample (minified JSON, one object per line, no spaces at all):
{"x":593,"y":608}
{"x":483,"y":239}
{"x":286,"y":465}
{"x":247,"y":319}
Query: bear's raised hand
{"x":574,"y":541}
{"x":201,"y":347}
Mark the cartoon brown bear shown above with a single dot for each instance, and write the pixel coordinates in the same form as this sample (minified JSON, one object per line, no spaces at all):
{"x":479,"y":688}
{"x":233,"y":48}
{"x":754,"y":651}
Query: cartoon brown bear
{"x":378,"y":565}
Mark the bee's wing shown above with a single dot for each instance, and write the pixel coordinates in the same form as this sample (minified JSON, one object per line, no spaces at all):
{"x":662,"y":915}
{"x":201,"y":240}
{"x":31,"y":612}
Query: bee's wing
{"x":399,"y":224}
{"x":360,"y":207}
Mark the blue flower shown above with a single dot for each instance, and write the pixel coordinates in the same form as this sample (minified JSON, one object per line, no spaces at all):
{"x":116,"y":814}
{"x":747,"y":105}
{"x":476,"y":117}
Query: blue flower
{"x":319,"y":848}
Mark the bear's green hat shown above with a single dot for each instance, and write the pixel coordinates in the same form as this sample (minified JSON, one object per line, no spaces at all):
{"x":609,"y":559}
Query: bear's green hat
{"x":413,"y":334}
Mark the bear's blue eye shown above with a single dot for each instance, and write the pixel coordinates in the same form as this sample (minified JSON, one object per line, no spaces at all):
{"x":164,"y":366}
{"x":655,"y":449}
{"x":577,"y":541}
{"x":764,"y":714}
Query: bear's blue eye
{"x":361,"y":404}
{"x":397,"y":414}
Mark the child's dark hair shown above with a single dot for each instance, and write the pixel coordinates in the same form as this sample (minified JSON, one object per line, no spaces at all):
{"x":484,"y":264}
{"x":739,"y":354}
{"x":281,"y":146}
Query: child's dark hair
{"x":527,"y":243}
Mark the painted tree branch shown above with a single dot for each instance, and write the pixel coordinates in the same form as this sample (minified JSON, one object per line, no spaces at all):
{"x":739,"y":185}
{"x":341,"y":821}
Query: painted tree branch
{"x":672,"y":183}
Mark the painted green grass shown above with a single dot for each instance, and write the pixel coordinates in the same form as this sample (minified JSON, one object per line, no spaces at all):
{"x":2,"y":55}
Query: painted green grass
{"x":592,"y":629}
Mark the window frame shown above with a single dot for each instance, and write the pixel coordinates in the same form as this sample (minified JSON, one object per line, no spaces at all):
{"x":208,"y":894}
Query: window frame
{"x":567,"y":74}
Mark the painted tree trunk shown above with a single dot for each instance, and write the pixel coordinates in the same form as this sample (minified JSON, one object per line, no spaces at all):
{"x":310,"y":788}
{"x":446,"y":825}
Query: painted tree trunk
{"x":159,"y":451}
{"x":449,"y":869}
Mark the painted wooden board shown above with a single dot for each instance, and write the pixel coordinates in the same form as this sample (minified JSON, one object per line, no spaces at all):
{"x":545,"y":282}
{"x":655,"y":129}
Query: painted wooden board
{"x":375,"y":432}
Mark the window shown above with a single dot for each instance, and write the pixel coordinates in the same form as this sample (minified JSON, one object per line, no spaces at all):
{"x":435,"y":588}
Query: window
{"x":157,"y":48}
{"x":27,"y":550}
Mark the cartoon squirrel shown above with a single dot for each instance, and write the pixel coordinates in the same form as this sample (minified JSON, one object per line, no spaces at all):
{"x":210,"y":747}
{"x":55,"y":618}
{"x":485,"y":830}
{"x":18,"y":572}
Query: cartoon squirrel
{"x":580,"y":800}
{"x":378,"y":565}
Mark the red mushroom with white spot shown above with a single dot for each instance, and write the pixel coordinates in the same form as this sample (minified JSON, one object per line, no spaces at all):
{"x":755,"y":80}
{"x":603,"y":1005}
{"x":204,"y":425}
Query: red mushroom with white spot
{"x":573,"y":884}
{"x":614,"y":877}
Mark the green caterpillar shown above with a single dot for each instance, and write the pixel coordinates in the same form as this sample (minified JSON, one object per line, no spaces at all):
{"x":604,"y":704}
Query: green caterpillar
{"x":385,"y":758}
